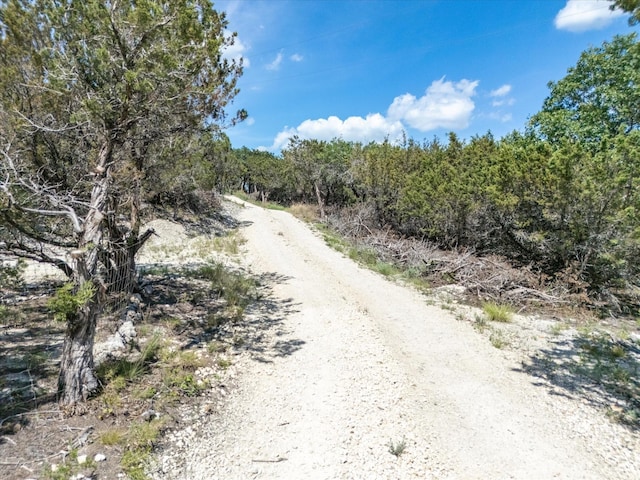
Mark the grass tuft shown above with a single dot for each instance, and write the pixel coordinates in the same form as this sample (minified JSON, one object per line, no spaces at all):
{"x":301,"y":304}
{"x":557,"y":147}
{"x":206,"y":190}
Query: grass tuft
{"x":498,"y":312}
{"x":397,"y":448}
{"x":305,"y":212}
{"x":498,"y":339}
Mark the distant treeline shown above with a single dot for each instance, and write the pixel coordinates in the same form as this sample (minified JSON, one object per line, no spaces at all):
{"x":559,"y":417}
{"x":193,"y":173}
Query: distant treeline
{"x":562,"y":196}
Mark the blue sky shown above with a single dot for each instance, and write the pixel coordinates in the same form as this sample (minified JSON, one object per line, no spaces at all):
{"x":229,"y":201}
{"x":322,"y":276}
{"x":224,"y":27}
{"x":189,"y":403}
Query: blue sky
{"x":365,"y":70}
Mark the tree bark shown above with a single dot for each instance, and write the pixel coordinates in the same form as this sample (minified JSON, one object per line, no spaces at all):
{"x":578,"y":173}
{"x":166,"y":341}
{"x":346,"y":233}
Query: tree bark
{"x":319,"y":198}
{"x":77,"y":380}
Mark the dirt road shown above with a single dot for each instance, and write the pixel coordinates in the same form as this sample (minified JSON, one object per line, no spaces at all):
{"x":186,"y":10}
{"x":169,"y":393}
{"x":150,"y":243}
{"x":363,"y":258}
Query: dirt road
{"x":357,"y":366}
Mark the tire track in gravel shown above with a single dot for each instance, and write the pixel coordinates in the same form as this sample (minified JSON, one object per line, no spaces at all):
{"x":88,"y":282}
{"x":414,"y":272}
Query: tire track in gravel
{"x":374,"y":363}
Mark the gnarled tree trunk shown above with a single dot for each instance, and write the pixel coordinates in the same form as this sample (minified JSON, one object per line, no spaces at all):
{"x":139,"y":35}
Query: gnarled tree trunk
{"x":77,"y":380}
{"x":319,"y":198}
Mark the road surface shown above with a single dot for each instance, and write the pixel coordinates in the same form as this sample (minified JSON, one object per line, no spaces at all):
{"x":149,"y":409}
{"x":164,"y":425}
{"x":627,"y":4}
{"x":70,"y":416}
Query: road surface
{"x":354,"y":366}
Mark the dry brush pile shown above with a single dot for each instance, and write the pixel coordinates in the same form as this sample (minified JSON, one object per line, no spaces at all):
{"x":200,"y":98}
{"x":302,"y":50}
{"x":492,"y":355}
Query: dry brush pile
{"x":484,"y":277}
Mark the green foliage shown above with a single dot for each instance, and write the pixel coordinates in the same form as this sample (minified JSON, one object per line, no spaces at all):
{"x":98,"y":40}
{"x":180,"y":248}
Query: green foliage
{"x":65,"y":303}
{"x":118,"y":373}
{"x":560,"y":197}
{"x":112,"y":437}
{"x":442,"y":199}
{"x":206,"y":164}
{"x":68,"y":468}
{"x":140,"y":87}
{"x":320,"y":171}
{"x":61,"y":472}
{"x":11,"y":274}
{"x":140,"y":438}
{"x":381,"y":172}
{"x":264,"y":176}
{"x":104,"y":105}
{"x":598,"y":97}
{"x":235,"y":288}
{"x":631,"y":6}
{"x":183,"y":381}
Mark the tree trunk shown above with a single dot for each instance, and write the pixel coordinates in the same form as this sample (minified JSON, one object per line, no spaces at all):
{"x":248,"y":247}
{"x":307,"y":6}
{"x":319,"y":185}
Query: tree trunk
{"x":77,"y":380}
{"x":316,"y":187}
{"x":122,"y":275}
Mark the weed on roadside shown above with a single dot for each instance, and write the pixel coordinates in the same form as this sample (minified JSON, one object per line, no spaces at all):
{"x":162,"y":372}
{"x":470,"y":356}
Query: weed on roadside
{"x":113,"y":436}
{"x":498,"y":312}
{"x":397,"y":448}
{"x":480,"y":323}
{"x":498,"y":339}
{"x":304,"y":212}
{"x":140,"y":440}
{"x":557,"y":328}
{"x":68,"y":468}
{"x":237,"y":289}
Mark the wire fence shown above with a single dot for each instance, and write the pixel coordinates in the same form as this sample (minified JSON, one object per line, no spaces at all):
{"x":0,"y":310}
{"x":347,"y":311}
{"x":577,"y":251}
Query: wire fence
{"x":115,"y":278}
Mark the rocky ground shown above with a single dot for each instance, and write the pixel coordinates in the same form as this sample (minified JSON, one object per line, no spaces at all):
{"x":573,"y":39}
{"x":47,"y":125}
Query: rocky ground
{"x":359,"y":377}
{"x":331,"y":371}
{"x":193,"y":324}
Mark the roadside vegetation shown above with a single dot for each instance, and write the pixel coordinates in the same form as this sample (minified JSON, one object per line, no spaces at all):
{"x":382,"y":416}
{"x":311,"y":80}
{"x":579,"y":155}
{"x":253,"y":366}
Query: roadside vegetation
{"x":556,"y":201}
{"x":183,"y":351}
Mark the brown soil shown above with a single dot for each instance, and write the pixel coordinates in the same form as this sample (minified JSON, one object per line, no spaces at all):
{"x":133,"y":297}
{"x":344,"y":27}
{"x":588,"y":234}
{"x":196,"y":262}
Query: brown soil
{"x":184,"y":312}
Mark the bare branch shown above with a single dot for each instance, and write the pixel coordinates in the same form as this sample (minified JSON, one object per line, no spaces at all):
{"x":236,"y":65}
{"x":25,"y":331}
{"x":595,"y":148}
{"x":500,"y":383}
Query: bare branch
{"x":35,"y":236}
{"x":68,"y":212}
{"x":143,"y":238}
{"x":40,"y":190}
{"x":21,"y":250}
{"x":38,"y":127}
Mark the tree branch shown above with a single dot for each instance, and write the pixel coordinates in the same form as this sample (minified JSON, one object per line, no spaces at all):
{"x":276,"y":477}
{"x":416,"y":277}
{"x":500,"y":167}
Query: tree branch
{"x":35,"y":236}
{"x":143,"y":239}
{"x":21,"y":250}
{"x":42,"y":191}
{"x":68,"y":212}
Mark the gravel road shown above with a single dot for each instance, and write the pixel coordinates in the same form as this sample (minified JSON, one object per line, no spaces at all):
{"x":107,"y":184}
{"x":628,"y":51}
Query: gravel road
{"x":357,"y":364}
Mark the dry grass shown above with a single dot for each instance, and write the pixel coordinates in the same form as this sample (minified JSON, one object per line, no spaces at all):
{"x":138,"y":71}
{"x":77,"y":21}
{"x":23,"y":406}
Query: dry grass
{"x":496,"y":312}
{"x":161,"y":373}
{"x":305,"y":212}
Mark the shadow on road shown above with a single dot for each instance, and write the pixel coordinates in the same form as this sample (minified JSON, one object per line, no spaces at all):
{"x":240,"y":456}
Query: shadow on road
{"x":263,"y":330}
{"x":596,"y":368}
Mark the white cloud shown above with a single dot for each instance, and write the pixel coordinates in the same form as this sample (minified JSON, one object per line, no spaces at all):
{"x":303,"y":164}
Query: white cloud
{"x":581,"y":15}
{"x":501,"y":117}
{"x":275,"y":65}
{"x":372,"y":128}
{"x":500,"y":96}
{"x":506,"y":102}
{"x":444,"y":105}
{"x":281,"y":140}
{"x":237,"y":51}
{"x":502,"y":91}
{"x":296,"y":57}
